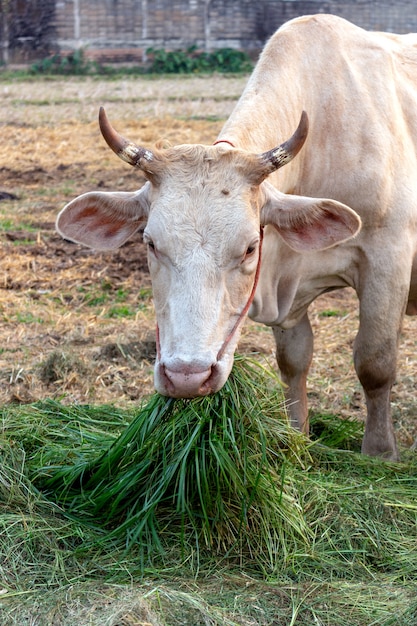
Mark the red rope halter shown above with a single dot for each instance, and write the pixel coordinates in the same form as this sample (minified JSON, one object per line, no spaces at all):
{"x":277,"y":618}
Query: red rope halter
{"x":242,"y":313}
{"x":249,"y":302}
{"x":223,"y":141}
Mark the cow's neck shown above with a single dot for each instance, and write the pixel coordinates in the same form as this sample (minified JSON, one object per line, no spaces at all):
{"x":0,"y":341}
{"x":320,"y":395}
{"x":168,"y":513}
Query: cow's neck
{"x":263,"y":117}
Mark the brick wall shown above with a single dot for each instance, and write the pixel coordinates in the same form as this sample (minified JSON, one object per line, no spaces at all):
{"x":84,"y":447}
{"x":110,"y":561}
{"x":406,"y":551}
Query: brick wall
{"x":171,"y":24}
{"x":396,"y":17}
{"x":124,"y":29}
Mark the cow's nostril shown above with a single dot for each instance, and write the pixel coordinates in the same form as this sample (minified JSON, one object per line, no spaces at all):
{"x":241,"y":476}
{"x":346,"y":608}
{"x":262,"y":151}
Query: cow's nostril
{"x":189,"y":384}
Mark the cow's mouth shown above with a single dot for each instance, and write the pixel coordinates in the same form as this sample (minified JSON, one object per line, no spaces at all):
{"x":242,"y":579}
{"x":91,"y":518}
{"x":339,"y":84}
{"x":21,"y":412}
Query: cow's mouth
{"x":188,"y":382}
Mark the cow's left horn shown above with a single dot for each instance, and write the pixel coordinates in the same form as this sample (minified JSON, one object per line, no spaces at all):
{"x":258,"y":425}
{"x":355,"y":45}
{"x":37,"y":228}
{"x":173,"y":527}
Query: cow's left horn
{"x":126,"y":150}
{"x":283,"y":154}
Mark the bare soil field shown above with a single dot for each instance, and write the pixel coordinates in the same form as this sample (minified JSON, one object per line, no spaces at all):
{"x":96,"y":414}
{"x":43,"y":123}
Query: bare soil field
{"x":78,"y":325}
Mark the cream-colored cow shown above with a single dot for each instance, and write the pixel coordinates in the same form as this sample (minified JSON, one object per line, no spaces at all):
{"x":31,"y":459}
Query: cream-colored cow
{"x":207,"y":207}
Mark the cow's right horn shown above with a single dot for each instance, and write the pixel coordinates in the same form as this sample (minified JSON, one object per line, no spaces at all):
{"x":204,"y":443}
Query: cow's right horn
{"x":283,"y":154}
{"x":126,"y":150}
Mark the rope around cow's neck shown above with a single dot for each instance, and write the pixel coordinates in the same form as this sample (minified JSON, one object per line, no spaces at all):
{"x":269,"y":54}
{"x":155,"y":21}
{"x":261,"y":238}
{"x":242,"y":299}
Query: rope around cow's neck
{"x":248,"y":303}
{"x":223,"y":141}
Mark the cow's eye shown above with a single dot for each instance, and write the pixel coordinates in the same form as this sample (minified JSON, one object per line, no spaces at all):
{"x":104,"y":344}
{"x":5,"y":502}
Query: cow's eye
{"x":250,"y":251}
{"x":149,"y":242}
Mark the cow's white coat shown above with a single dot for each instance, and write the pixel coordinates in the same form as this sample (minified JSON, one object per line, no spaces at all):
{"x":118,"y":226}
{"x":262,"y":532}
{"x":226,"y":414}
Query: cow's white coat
{"x":204,"y":206}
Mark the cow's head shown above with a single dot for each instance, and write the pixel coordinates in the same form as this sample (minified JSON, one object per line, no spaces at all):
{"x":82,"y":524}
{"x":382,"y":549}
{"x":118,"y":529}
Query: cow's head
{"x":204,"y":208}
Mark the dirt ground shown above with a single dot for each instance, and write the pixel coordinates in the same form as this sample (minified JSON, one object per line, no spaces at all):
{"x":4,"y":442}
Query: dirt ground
{"x":78,"y":325}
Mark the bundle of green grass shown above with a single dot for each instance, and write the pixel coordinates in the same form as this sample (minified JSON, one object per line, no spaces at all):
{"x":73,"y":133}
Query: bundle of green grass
{"x":201,"y":475}
{"x":221,"y":481}
{"x":216,"y":485}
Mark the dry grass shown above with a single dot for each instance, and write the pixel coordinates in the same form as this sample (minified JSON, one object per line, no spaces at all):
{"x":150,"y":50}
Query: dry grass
{"x":76,"y":100}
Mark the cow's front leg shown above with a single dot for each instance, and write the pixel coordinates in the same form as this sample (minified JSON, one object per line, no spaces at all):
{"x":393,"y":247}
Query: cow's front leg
{"x":375,"y":364}
{"x":375,"y":357}
{"x":294,"y":354}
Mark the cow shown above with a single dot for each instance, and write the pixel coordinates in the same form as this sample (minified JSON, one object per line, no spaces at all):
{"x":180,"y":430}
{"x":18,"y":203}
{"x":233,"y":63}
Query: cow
{"x":311,"y":186}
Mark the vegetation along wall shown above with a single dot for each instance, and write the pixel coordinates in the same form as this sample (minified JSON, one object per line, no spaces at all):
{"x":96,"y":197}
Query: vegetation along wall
{"x":113,"y":30}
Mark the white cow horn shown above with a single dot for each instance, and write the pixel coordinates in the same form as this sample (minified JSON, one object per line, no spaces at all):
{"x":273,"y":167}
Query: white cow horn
{"x":126,"y":150}
{"x":283,"y":154}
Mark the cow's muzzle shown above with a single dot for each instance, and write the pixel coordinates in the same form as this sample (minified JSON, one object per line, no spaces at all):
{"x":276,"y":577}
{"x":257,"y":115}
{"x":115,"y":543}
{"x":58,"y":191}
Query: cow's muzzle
{"x":186,"y":382}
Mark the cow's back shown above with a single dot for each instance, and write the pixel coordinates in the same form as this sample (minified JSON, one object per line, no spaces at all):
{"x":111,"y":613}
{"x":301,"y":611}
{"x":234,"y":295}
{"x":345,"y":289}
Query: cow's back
{"x":359,"y":89}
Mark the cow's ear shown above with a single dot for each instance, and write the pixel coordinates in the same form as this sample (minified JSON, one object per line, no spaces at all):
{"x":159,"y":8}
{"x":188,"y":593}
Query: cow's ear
{"x":104,"y":220}
{"x":308,"y":223}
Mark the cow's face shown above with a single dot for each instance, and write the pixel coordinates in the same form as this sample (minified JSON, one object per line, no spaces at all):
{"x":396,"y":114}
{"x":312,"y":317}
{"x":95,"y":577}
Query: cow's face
{"x":203,"y":237}
{"x":204,"y":207}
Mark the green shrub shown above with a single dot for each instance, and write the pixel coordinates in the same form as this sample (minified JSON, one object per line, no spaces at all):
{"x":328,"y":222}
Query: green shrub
{"x":189,"y":61}
{"x":229,"y":60}
{"x":73,"y":64}
{"x":175,"y":62}
{"x":193,"y":61}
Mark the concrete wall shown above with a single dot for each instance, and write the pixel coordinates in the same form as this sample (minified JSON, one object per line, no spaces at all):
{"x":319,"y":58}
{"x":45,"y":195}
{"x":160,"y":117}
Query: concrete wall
{"x":135,"y":25}
{"x":124,"y":29}
{"x":396,"y":16}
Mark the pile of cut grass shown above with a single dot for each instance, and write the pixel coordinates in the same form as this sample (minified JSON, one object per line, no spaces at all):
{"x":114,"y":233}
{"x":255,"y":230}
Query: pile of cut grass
{"x":192,"y":476}
{"x":194,"y":488}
